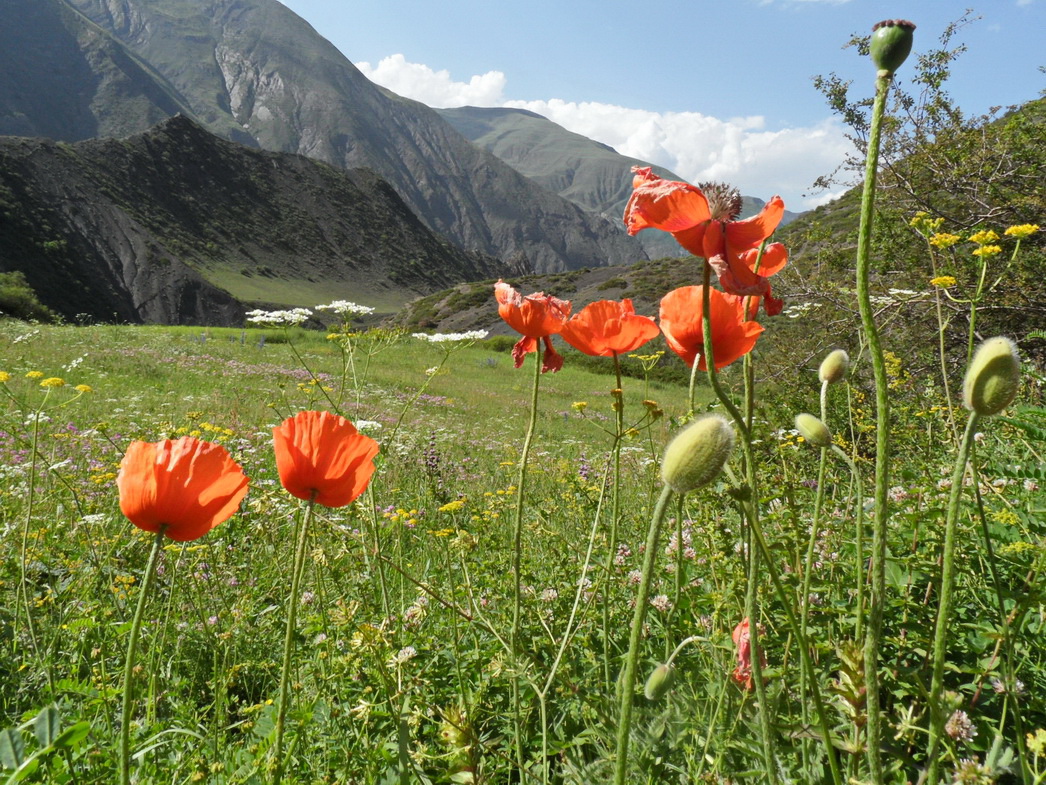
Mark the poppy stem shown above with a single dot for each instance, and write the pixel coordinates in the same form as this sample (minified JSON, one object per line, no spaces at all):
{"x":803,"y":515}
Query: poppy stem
{"x":288,"y":638}
{"x":132,"y":651}
{"x":615,"y":511}
{"x":627,"y":685}
{"x":944,"y":611}
{"x":873,"y":636}
{"x":517,"y":554}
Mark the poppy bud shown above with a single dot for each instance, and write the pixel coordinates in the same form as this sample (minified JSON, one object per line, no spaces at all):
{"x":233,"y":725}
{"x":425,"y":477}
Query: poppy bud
{"x":659,"y":682}
{"x":834,"y":366}
{"x":813,"y":430}
{"x":697,"y":454}
{"x":992,"y":378}
{"x":891,"y":43}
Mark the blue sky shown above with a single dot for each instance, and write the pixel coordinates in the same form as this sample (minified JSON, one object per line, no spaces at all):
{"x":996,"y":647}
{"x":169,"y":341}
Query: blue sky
{"x":712,"y":90}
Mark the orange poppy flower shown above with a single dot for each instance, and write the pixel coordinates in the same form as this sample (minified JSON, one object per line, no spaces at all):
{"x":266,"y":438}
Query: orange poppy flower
{"x":742,"y":637}
{"x":187,"y":485}
{"x":322,"y":457}
{"x":732,"y":336}
{"x":608,"y":327}
{"x":709,"y":229}
{"x":535,"y":316}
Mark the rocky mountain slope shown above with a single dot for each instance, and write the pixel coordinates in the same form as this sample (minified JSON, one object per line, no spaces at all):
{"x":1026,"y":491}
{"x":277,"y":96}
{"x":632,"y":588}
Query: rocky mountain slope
{"x":253,"y":71}
{"x":178,"y":226}
{"x":586,"y":172}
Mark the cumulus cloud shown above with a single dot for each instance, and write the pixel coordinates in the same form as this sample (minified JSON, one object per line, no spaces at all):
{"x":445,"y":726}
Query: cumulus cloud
{"x":743,"y":151}
{"x":434,"y":88}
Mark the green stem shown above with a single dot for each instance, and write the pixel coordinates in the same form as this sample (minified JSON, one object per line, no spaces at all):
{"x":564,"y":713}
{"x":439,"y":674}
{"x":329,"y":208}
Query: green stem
{"x":615,"y":512}
{"x":517,"y":560}
{"x":858,"y":535}
{"x":288,"y":638}
{"x":873,"y":638}
{"x":628,"y":678}
{"x":132,"y":651}
{"x":944,"y":611}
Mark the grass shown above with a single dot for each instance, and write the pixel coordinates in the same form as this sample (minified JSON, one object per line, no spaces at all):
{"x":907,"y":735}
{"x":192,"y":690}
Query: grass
{"x":399,"y":675}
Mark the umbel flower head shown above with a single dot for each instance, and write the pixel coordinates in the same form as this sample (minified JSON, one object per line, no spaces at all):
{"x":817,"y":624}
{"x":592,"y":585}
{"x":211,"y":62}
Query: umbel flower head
{"x":993,"y":377}
{"x":322,"y":457}
{"x":535,"y":316}
{"x":704,"y":221}
{"x":697,"y":454}
{"x":608,"y":327}
{"x":186,"y":486}
{"x":681,"y":322}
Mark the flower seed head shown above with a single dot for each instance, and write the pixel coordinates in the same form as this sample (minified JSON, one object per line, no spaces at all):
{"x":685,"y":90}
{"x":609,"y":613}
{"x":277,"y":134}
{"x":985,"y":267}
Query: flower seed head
{"x":697,"y":454}
{"x":891,"y":43}
{"x":659,"y":682}
{"x":834,"y":366}
{"x":992,"y":378}
{"x":813,"y":430}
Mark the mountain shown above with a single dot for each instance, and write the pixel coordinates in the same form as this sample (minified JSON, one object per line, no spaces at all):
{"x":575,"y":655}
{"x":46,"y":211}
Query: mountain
{"x":176,"y":225}
{"x":253,"y":71}
{"x":586,"y":172}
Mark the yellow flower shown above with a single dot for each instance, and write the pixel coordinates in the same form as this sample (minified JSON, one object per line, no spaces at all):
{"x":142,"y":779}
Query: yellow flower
{"x":924,"y":224}
{"x":987,"y":250}
{"x":453,"y":506}
{"x":943,"y":281}
{"x":34,"y":375}
{"x":1022,"y":230}
{"x":944,"y":240}
{"x":579,"y":406}
{"x":83,"y":388}
{"x":53,"y":381}
{"x":984,"y":237}
{"x":5,"y":377}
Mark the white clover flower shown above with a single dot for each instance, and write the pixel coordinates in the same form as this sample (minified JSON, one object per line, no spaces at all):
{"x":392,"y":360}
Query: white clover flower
{"x":368,"y":425}
{"x":406,"y":654}
{"x":345,"y":308}
{"x":471,"y":335}
{"x":279,"y":318}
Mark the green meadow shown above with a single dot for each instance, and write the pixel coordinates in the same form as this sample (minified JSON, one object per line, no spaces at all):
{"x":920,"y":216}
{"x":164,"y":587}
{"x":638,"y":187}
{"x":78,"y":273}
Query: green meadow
{"x":403,"y":669}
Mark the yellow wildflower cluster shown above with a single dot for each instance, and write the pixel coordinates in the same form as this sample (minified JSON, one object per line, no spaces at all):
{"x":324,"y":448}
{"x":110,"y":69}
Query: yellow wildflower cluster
{"x":401,"y":515}
{"x":1022,"y":230}
{"x":924,"y":224}
{"x":5,"y":377}
{"x":943,"y":281}
{"x":987,"y":250}
{"x":453,"y":506}
{"x":984,"y":237}
{"x":944,"y":240}
{"x":53,"y":381}
{"x":34,"y":375}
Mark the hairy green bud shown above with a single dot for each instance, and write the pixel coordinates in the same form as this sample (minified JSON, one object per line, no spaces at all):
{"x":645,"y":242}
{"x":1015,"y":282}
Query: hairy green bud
{"x":659,"y":682}
{"x":813,"y":430}
{"x":697,"y":454}
{"x":993,"y":377}
{"x":834,"y":366}
{"x":891,"y":43}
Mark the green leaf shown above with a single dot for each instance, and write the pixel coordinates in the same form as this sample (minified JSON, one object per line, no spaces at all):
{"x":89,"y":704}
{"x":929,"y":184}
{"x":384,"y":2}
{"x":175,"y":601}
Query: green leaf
{"x":72,"y":735}
{"x":47,"y":726}
{"x":12,"y":749}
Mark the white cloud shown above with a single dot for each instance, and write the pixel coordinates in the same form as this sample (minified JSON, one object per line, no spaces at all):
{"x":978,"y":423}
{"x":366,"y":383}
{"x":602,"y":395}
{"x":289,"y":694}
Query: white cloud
{"x":434,"y":88}
{"x":697,"y":147}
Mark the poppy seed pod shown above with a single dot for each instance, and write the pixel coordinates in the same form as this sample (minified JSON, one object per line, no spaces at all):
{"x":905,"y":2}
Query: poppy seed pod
{"x":813,"y":430}
{"x":659,"y":682}
{"x":891,"y":43}
{"x":697,"y":454}
{"x":992,"y":378}
{"x":834,"y":366}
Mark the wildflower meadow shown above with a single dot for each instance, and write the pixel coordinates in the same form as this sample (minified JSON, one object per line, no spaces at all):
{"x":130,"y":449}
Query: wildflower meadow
{"x":280,"y":554}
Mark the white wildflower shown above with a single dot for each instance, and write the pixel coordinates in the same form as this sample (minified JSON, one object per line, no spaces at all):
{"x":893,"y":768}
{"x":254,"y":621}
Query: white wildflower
{"x":471,"y":335}
{"x":279,"y":318}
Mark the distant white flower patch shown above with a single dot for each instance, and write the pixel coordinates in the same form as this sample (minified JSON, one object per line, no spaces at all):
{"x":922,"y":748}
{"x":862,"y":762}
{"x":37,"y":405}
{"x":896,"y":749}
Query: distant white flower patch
{"x":471,"y":335}
{"x":279,"y":318}
{"x":368,"y":425}
{"x":345,"y":308}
